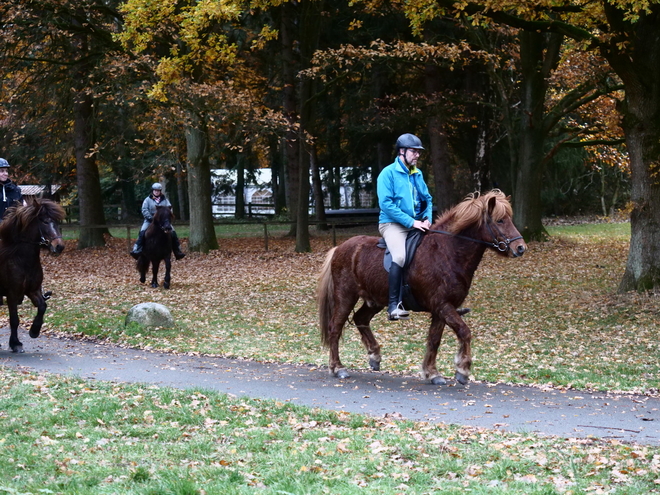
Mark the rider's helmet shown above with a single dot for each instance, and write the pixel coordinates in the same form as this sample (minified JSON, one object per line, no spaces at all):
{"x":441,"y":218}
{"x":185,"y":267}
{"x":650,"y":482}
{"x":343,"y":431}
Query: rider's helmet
{"x":4,"y":163}
{"x":157,"y":186}
{"x":409,"y":141}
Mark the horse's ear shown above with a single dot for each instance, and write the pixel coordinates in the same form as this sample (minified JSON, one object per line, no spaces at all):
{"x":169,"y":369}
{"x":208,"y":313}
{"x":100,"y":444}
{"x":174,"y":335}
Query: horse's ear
{"x":492,"y":201}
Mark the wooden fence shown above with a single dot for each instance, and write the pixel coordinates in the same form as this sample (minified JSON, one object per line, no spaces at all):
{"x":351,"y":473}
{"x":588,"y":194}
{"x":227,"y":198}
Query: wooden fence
{"x":332,"y":224}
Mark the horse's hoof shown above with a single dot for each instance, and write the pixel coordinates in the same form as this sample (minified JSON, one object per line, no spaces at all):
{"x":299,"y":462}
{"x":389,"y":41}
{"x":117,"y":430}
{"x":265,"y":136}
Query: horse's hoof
{"x":154,"y":285}
{"x":462,"y":379}
{"x":166,"y":285}
{"x":342,"y":374}
{"x":375,"y":365}
{"x":438,"y":380}
{"x":17,"y":349}
{"x":34,"y":335}
{"x":142,"y":280}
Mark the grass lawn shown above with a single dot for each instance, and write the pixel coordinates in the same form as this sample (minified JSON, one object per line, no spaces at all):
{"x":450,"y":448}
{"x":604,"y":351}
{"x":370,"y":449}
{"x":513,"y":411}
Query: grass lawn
{"x":69,"y":436}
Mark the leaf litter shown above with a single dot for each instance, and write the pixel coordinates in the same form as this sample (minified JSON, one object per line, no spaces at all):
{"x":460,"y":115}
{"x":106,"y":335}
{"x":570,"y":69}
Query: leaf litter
{"x":550,"y":318}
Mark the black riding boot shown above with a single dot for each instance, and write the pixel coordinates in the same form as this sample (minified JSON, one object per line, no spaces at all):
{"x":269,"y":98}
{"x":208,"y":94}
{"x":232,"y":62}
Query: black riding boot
{"x":176,"y":246}
{"x":395,"y":309}
{"x":137,"y":249}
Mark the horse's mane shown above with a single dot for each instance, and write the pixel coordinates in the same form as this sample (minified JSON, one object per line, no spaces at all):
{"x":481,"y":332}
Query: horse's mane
{"x":161,"y":209}
{"x":19,"y":218}
{"x":161,"y":212}
{"x":471,"y":210}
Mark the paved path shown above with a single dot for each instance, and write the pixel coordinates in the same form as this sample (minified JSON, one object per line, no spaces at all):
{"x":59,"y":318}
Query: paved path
{"x":549,"y":412}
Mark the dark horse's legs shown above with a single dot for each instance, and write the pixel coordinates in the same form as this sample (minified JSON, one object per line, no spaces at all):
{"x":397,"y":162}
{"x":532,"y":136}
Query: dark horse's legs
{"x":12,"y":304}
{"x":40,"y":303}
{"x":154,"y":270}
{"x":463,"y":358}
{"x":362,"y":318}
{"x":343,"y":307}
{"x":14,"y":344}
{"x":429,"y":368}
{"x":168,"y":268}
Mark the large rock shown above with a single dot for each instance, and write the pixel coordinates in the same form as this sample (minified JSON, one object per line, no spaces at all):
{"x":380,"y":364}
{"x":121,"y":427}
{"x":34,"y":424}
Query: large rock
{"x":150,"y":315}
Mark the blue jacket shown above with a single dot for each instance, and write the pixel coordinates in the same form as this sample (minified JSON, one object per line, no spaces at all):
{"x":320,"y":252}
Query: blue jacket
{"x":401,"y":195}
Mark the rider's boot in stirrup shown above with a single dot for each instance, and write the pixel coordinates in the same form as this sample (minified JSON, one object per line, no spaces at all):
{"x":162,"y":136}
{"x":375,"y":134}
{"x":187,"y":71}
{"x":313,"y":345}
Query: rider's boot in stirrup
{"x":137,"y":248}
{"x":395,"y":309}
{"x":176,"y":247}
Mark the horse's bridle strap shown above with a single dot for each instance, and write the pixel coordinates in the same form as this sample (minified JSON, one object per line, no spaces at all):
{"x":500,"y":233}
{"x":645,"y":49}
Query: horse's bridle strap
{"x":44,"y":241}
{"x":501,"y":246}
{"x":465,"y":238}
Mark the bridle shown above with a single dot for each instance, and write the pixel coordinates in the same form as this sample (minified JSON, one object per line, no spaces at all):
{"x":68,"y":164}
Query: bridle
{"x":44,"y":241}
{"x":501,"y":245}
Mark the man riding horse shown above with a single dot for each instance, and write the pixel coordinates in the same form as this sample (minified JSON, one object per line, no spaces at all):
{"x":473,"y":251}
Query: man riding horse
{"x":405,"y":204}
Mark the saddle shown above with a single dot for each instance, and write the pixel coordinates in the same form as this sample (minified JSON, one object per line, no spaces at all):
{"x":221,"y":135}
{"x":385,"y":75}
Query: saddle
{"x":415,"y":236}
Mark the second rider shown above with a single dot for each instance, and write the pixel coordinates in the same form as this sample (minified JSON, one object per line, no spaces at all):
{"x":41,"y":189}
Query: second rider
{"x":149,"y":205}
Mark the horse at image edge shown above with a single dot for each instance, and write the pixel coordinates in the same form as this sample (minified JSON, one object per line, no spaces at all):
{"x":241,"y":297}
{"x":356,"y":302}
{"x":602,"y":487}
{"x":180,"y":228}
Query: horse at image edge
{"x":23,"y":232}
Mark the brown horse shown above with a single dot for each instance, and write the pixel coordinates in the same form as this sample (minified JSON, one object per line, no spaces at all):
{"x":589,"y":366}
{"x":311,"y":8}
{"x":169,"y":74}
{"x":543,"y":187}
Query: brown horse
{"x":439,"y":278}
{"x":24,"y":230}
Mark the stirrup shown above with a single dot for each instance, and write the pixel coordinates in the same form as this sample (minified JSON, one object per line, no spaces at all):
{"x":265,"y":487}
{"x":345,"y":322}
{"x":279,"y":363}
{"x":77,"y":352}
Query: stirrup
{"x":398,"y":313}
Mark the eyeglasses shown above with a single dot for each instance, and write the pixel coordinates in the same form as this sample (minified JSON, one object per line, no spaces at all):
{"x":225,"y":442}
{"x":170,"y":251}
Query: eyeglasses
{"x":415,"y":152}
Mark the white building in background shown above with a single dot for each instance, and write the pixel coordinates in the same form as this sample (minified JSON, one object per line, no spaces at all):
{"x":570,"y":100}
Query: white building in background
{"x":258,"y":194}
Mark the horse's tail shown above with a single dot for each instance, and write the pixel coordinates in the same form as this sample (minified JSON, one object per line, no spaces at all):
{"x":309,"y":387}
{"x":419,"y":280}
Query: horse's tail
{"x":324,"y":296}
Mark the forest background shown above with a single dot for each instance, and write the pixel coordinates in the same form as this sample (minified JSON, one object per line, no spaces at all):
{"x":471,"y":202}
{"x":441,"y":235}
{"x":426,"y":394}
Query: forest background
{"x":556,"y":103}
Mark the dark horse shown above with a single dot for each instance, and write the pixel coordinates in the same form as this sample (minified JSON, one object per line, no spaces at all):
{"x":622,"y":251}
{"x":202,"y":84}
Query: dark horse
{"x":157,"y":247}
{"x":439,"y":279}
{"x":24,"y":230}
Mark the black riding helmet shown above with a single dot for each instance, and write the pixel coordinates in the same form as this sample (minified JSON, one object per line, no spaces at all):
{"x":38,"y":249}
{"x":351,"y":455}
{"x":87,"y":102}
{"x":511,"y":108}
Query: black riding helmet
{"x":408,"y":141}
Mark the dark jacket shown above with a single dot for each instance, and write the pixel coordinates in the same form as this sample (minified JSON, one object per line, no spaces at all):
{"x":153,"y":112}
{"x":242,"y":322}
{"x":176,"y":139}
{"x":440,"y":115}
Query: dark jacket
{"x":10,"y":195}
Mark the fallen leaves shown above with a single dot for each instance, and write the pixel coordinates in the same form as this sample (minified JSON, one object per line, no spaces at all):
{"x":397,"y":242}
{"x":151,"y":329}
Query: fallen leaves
{"x":551,"y":318}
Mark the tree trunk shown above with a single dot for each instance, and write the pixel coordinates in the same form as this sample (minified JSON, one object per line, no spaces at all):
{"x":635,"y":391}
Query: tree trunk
{"x":318,"y":189}
{"x":537,"y":59}
{"x":438,"y":148}
{"x":181,"y":192}
{"x":638,"y":66}
{"x":202,"y":232}
{"x":334,"y":170}
{"x":278,"y":198}
{"x":310,"y":30}
{"x":87,"y":174}
{"x":303,"y":244}
{"x":239,"y":211}
{"x":289,"y":108}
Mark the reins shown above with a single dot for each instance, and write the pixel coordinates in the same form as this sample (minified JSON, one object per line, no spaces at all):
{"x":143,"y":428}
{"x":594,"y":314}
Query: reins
{"x":501,"y":246}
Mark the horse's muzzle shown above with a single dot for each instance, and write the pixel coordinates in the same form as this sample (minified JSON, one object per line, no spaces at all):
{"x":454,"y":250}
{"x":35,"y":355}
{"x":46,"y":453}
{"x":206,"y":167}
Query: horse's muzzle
{"x":519,"y":250}
{"x":57,"y":246}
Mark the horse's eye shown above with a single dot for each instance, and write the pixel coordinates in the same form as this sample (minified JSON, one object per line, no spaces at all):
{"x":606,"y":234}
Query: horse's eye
{"x":500,"y":221}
